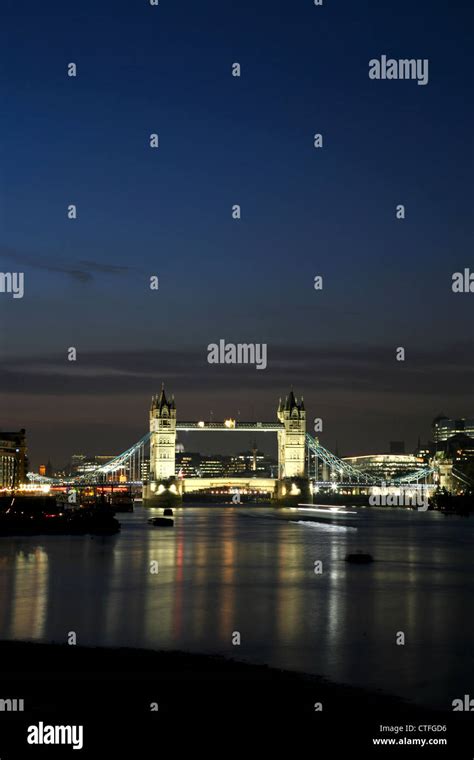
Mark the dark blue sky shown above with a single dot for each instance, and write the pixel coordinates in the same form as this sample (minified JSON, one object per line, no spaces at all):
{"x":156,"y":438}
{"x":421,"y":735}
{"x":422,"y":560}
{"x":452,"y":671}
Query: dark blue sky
{"x":224,"y":140}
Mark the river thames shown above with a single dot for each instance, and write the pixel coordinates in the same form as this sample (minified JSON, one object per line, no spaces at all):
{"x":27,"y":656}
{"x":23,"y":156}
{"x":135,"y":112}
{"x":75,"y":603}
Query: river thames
{"x":240,"y":569}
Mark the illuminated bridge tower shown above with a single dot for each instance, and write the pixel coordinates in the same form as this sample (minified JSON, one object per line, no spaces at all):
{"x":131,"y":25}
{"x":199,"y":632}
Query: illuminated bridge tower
{"x":162,"y":446}
{"x":291,"y":446}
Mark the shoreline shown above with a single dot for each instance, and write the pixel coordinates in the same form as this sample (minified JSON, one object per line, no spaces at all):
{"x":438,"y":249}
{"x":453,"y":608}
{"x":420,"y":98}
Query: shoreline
{"x":28,"y":661}
{"x":125,"y":698}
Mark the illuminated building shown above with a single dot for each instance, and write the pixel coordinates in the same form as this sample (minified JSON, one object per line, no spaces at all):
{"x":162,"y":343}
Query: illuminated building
{"x":76,"y":460}
{"x":82,"y":463}
{"x":188,"y":464}
{"x":445,"y":428}
{"x":459,"y":448}
{"x":386,"y":466}
{"x":212,"y":466}
{"x":254,"y":461}
{"x":13,"y":460}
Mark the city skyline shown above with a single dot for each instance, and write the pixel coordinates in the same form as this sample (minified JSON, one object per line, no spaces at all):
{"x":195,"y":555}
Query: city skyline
{"x":39,"y":452}
{"x":242,"y":441}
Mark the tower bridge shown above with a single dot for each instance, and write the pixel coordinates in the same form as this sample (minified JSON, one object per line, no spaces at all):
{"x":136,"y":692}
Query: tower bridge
{"x":303,"y":463}
{"x":290,"y":430}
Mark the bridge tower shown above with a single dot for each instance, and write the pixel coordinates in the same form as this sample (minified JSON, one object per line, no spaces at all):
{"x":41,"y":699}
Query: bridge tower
{"x":162,"y":446}
{"x":163,"y":437}
{"x":291,"y":440}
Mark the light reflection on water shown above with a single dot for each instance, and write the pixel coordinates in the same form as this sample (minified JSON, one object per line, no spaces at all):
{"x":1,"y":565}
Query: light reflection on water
{"x":315,"y":525}
{"x":236,"y":569}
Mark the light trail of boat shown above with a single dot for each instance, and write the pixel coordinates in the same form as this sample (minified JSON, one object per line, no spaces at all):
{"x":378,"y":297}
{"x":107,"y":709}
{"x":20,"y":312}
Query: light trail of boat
{"x":324,"y":526}
{"x":321,"y":508}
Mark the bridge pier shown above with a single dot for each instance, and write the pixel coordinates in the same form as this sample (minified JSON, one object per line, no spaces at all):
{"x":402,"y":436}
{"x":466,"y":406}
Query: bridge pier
{"x":164,"y":493}
{"x":293,"y":491}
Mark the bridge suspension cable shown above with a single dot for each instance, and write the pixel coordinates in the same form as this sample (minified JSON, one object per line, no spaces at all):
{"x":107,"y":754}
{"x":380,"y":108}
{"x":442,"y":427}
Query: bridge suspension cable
{"x":132,"y":459}
{"x":338,"y":466}
{"x":415,"y":476}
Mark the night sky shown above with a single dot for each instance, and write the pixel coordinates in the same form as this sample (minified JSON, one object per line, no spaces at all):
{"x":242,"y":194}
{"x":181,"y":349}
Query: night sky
{"x":167,"y":212}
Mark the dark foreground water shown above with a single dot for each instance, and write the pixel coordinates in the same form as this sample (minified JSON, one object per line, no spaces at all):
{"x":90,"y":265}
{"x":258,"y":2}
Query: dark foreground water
{"x":226,"y":570}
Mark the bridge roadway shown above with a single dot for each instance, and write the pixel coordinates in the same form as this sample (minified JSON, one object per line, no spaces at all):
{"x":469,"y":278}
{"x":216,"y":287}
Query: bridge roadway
{"x":253,"y":427}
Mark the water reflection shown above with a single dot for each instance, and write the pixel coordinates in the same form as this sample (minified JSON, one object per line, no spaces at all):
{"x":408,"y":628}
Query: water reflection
{"x":222,"y":570}
{"x":24,"y":572}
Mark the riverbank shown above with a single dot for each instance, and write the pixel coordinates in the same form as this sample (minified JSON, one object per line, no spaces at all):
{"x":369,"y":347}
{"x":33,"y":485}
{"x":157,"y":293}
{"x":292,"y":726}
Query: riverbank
{"x":124,"y":695}
{"x":31,"y":662}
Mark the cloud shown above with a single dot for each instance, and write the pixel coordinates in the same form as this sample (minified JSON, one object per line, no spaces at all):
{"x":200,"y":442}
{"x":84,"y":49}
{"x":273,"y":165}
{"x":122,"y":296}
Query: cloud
{"x":100,"y":402}
{"x":348,"y":369}
{"x":82,"y":270}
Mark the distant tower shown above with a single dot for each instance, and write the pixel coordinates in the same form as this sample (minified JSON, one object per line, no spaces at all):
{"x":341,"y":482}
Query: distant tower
{"x":254,"y":457}
{"x":291,"y":440}
{"x":163,"y":438}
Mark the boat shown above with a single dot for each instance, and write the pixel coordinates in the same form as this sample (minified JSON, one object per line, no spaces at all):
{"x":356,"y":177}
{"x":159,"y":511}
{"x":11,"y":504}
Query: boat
{"x":359,"y":558}
{"x":38,"y":515}
{"x":161,"y":522}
